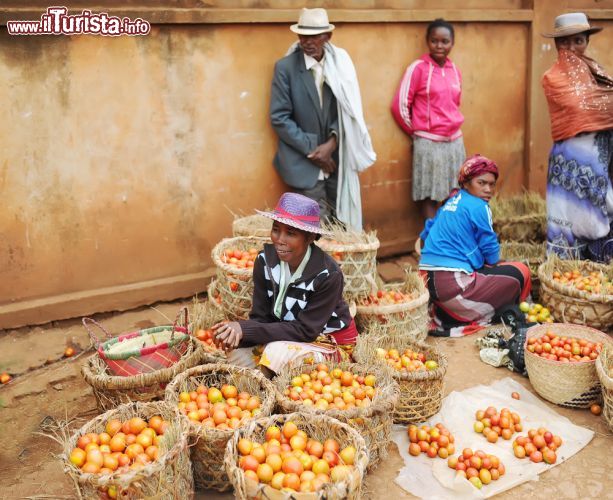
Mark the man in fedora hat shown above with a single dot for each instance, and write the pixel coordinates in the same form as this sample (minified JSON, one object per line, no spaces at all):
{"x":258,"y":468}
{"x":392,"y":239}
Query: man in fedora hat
{"x":322,"y":145}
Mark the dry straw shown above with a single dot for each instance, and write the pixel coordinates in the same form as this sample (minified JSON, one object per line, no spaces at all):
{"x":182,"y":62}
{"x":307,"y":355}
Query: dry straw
{"x":421,"y":392}
{"x":251,"y":225}
{"x":168,"y":477}
{"x":319,"y":427}
{"x":407,"y":319}
{"x":355,"y":252}
{"x":374,"y":422}
{"x":204,"y":315}
{"x":574,"y":385}
{"x":520,"y":218}
{"x":571,"y":305}
{"x":214,"y":297}
{"x":531,"y":254}
{"x":604,"y":368}
{"x":235,"y":285}
{"x":111,"y":390}
{"x":208,"y":444}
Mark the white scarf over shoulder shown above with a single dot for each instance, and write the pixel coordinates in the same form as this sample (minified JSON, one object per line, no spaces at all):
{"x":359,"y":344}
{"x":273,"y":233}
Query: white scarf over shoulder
{"x":356,"y":153}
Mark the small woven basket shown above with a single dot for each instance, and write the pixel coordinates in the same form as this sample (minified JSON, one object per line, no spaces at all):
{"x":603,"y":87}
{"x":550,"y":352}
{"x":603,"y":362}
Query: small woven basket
{"x":531,"y":254}
{"x":204,"y":314}
{"x":356,"y":255}
{"x":214,"y":296}
{"x":252,"y":225}
{"x":319,"y":427}
{"x":234,"y":284}
{"x":406,"y":319}
{"x":111,"y":391}
{"x":208,"y":444}
{"x":374,"y":422}
{"x":521,"y":218}
{"x":421,"y":392}
{"x":574,"y":385}
{"x":142,"y":351}
{"x":604,"y":369}
{"x":571,"y":305}
{"x":168,"y":477}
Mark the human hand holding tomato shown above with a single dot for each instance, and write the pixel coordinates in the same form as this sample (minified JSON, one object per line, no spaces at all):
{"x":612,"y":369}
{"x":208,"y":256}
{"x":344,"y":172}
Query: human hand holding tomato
{"x":228,"y":334}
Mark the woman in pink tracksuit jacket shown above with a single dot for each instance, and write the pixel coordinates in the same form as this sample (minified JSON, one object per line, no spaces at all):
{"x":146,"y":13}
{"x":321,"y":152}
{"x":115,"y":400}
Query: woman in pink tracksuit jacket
{"x":427,"y":107}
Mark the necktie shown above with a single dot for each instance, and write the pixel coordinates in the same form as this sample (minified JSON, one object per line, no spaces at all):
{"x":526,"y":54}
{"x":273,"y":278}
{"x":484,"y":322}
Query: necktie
{"x":318,"y":75}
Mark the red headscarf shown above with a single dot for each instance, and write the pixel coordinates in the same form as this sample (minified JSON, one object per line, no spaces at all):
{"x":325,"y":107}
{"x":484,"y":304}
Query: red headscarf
{"x":475,"y":166}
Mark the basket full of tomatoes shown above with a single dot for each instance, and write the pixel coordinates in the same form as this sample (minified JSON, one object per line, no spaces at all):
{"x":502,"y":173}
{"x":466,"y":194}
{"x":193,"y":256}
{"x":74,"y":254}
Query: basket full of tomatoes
{"x":561,"y":363}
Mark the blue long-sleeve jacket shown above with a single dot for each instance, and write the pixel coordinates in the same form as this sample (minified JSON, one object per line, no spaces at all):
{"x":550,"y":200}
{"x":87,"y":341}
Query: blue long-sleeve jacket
{"x":460,"y":236}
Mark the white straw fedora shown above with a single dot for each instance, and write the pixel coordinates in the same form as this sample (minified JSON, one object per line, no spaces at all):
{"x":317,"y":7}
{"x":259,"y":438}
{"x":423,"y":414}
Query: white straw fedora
{"x":312,"y":22}
{"x":571,"y":24}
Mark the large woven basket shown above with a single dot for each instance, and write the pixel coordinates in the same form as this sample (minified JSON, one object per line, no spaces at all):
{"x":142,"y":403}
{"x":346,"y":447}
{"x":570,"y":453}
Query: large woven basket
{"x":421,"y":392}
{"x":235,"y":285}
{"x":604,"y":369}
{"x":407,"y":319}
{"x":574,"y":385}
{"x":520,"y":218}
{"x":111,"y":390}
{"x":571,"y":305}
{"x":374,"y":423}
{"x":531,"y":254}
{"x":252,"y":225}
{"x":319,"y":427}
{"x":356,"y":255}
{"x":208,"y":444}
{"x":168,"y":477}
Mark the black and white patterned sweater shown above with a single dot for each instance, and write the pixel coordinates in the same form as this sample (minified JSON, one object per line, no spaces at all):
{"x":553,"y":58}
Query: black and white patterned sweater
{"x":313,"y":304}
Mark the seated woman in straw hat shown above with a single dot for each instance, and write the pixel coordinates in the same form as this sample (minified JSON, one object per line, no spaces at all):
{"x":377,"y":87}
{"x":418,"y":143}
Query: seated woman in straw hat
{"x":298,"y":311}
{"x":460,"y":258}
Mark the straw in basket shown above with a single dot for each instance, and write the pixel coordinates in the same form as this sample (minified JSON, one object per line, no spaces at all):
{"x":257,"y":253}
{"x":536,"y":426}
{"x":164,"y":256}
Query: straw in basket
{"x":421,"y":392}
{"x":208,"y":444}
{"x":111,"y":390}
{"x":168,"y":477}
{"x":235,"y":284}
{"x":604,"y":369}
{"x":570,"y":304}
{"x":252,"y":225}
{"x":204,"y":314}
{"x":574,"y":385}
{"x":374,"y":422}
{"x":520,"y":218}
{"x":408,"y":319}
{"x":319,"y":427}
{"x":143,"y":351}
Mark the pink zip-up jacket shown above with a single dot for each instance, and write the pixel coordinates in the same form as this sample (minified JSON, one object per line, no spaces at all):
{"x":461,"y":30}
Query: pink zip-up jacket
{"x":427,"y":102}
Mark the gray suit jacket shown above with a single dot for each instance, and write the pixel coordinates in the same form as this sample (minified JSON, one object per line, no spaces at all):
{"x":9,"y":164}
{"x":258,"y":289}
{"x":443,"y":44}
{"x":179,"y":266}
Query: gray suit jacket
{"x":299,"y":121}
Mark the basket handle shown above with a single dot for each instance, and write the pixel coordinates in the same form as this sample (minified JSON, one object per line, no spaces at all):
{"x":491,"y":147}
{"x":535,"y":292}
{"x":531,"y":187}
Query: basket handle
{"x":92,"y":335}
{"x":176,"y":322}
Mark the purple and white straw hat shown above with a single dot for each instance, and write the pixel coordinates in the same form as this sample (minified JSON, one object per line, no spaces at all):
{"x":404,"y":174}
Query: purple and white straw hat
{"x":297,"y":211}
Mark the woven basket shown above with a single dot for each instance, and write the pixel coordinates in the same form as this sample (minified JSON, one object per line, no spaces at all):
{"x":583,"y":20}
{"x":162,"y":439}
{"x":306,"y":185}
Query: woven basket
{"x":110,"y":390}
{"x":421,"y":392}
{"x":574,"y":385}
{"x":208,"y":444}
{"x":521,"y":218}
{"x":235,"y":285}
{"x":604,"y":369}
{"x":531,"y":254}
{"x":252,"y":225}
{"x":374,"y":423}
{"x":319,"y":427}
{"x":203,"y":316}
{"x":356,"y":255}
{"x":214,"y":296}
{"x":168,"y":477}
{"x":571,"y":305}
{"x":407,"y":319}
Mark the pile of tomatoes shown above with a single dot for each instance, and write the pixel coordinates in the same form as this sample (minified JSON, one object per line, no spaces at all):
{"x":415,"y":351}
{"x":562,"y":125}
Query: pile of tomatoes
{"x":492,"y":424}
{"x":593,"y":282}
{"x":240,"y":259}
{"x":290,"y":460}
{"x":408,"y":361}
{"x":223,"y":408}
{"x":563,"y":349}
{"x":332,"y":389}
{"x":539,"y":445}
{"x":206,"y":337}
{"x":388,"y":297}
{"x":478,"y":467}
{"x":433,"y":441}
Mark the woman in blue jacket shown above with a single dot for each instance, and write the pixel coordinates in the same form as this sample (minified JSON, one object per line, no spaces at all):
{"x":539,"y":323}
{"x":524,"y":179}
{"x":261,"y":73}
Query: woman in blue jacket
{"x":461,"y":256}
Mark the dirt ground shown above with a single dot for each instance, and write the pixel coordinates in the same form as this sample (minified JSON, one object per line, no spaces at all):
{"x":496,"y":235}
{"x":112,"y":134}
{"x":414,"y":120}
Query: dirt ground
{"x":48,"y":385}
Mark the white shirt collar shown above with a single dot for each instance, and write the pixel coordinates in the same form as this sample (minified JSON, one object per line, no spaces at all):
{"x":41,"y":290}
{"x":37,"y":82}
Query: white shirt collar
{"x":311,"y":61}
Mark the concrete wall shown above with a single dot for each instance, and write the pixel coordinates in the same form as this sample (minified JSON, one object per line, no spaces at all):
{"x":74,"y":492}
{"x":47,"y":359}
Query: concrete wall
{"x":122,"y":158}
